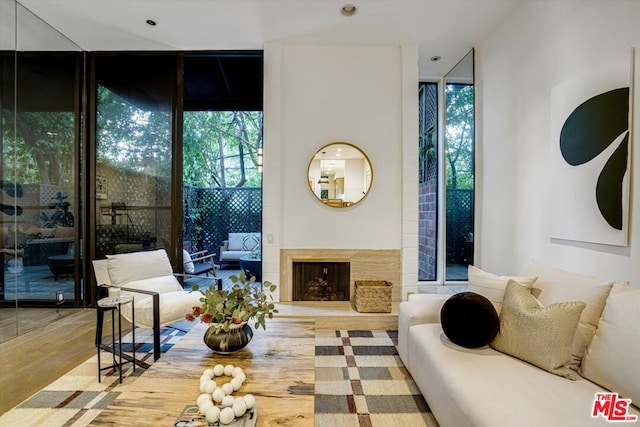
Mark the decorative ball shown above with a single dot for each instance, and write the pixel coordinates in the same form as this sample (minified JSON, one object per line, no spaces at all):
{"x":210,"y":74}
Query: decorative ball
{"x":218,"y":370}
{"x":236,"y":371}
{"x":227,"y":388}
{"x":203,"y":398}
{"x":208,"y":373}
{"x":241,"y":376}
{"x":213,"y":414}
{"x":228,"y":370}
{"x":239,"y":408}
{"x":204,"y":406}
{"x":249,"y":400}
{"x":228,"y":401}
{"x":236,"y":383}
{"x":204,"y":378}
{"x":207,"y":386}
{"x":218,"y":394}
{"x":469,"y":320}
{"x":227,"y":416}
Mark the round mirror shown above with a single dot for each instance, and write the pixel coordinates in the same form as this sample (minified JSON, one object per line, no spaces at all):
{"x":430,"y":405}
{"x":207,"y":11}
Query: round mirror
{"x":340,"y":174}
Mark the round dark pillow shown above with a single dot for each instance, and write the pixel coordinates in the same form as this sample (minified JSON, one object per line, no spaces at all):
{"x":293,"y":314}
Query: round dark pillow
{"x":469,"y":320}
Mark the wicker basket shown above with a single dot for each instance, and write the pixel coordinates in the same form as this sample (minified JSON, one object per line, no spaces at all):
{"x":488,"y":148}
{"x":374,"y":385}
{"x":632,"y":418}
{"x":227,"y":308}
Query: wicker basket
{"x":373,"y":296}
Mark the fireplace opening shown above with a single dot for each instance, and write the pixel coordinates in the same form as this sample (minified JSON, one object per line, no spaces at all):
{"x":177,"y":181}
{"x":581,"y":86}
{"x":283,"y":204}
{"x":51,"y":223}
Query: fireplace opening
{"x":321,"y":281}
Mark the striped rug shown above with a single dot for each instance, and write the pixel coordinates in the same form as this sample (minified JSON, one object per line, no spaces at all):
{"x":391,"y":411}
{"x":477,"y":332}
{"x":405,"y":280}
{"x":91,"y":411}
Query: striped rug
{"x":76,"y":398}
{"x":361,"y":382}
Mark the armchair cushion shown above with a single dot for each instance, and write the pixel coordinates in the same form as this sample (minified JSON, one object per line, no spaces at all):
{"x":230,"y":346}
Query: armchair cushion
{"x":172,"y":307}
{"x":125,"y":268}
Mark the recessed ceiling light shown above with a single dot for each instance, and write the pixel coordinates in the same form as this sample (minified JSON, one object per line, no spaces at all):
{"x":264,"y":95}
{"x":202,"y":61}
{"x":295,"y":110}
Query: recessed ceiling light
{"x":348,"y":10}
{"x":151,"y":22}
{"x":435,"y":58}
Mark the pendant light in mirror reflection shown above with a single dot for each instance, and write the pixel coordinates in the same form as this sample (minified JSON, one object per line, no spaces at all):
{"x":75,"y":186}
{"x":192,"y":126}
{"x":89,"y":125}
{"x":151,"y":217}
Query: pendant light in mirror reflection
{"x":340,"y":174}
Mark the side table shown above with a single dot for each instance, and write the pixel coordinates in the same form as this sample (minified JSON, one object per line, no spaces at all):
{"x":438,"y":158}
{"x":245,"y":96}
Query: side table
{"x":115,"y":304}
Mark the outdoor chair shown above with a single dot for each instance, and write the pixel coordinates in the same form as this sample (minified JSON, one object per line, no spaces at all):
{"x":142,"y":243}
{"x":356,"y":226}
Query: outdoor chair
{"x":159,"y":298}
{"x":198,"y":263}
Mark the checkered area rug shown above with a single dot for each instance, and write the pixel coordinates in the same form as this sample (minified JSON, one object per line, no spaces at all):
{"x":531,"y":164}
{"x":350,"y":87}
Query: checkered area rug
{"x":360,"y":381}
{"x":77,"y":397}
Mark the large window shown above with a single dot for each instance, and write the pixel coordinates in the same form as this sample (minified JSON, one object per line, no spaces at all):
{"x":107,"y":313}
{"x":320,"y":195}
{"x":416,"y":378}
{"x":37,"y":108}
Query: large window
{"x":447,"y":176}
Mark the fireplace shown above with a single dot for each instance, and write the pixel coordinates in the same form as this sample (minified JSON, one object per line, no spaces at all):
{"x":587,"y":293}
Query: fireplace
{"x":364,"y":264}
{"x":321,"y":281}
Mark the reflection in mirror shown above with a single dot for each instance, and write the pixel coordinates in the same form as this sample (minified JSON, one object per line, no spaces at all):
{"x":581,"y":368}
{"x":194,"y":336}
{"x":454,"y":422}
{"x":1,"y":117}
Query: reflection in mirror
{"x":340,"y":174}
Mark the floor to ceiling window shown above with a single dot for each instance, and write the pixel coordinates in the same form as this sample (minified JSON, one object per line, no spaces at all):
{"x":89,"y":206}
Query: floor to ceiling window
{"x":134,"y":140}
{"x":222,"y":146}
{"x":40,"y":181}
{"x":447,"y":175}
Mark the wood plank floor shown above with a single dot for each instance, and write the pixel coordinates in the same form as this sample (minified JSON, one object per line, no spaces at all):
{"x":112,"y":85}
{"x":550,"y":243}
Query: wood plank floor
{"x":33,"y":360}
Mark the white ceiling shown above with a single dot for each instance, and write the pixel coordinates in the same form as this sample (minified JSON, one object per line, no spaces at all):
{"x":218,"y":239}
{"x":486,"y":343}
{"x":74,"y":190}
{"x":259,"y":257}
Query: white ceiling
{"x":447,"y":28}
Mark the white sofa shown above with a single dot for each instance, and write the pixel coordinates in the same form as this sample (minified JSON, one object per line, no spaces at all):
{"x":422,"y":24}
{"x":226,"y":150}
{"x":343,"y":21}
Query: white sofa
{"x":239,"y":245}
{"x":484,"y":387}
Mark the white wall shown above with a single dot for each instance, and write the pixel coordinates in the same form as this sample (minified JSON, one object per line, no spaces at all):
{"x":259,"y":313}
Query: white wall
{"x":317,"y":94}
{"x":539,"y":46}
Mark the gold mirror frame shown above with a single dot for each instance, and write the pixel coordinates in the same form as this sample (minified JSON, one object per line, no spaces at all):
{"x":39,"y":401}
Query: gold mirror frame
{"x":340,"y":174}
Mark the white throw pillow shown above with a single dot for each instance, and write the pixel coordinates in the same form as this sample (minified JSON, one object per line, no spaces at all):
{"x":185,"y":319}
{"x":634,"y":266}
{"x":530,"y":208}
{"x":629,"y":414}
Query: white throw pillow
{"x":125,"y":268}
{"x":611,"y":360}
{"x":557,"y":285}
{"x":235,"y":241}
{"x":491,"y":286}
{"x":187,"y":262}
{"x":251,"y":242}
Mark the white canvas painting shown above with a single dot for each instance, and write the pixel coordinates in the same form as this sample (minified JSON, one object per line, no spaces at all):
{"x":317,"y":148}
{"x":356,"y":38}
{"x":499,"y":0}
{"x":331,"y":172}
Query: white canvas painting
{"x":590,"y":153}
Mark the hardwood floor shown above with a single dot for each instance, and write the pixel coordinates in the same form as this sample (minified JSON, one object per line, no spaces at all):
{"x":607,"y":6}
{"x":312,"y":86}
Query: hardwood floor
{"x":33,"y":360}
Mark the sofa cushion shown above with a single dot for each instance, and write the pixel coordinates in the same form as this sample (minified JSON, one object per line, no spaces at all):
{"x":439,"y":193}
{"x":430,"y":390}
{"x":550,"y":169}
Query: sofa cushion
{"x":469,"y":320}
{"x":492,"y":286}
{"x":539,"y":335}
{"x":611,"y":359}
{"x":233,"y":255}
{"x":556,"y":285}
{"x":125,"y":268}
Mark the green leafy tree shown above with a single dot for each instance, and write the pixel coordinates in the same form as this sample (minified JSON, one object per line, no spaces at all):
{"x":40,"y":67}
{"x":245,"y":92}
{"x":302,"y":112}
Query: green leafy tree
{"x":459,"y":130}
{"x":220,"y":148}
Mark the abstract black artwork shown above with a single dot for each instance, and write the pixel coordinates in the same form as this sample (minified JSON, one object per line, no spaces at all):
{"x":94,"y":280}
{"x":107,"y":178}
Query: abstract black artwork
{"x":587,"y":132}
{"x":590,"y":146}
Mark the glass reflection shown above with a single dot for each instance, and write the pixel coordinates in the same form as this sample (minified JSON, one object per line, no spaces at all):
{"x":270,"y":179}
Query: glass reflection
{"x":340,"y":174}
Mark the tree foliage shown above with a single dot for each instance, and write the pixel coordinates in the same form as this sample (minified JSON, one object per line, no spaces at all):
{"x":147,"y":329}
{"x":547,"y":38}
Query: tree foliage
{"x":459,"y":135}
{"x":38,"y":147}
{"x":220,"y":148}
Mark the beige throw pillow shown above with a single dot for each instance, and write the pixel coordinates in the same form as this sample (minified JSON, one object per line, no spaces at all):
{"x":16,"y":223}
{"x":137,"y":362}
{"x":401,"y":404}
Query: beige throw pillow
{"x":539,"y":335}
{"x":491,"y":286}
{"x":556,"y":285}
{"x":612,"y":357}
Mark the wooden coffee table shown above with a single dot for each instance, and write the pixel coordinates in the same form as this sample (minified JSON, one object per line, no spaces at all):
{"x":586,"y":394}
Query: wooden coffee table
{"x":278,"y":363}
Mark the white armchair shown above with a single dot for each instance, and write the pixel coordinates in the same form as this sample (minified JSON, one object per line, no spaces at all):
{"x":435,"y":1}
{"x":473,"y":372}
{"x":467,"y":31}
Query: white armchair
{"x":159,"y":298}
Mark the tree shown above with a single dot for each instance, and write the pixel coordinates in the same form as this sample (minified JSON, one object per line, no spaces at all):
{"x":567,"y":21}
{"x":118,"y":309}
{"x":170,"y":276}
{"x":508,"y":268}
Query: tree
{"x":220,"y":148}
{"x":459,"y":134}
